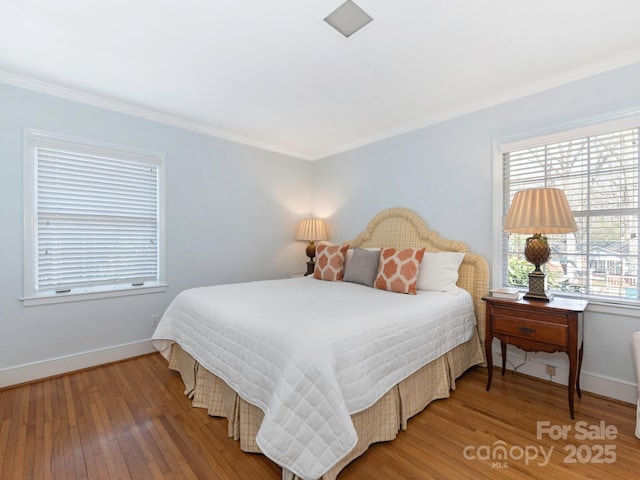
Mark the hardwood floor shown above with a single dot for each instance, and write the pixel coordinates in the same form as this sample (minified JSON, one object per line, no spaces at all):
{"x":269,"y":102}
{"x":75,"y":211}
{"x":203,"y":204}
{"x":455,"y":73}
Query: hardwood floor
{"x":130,"y":420}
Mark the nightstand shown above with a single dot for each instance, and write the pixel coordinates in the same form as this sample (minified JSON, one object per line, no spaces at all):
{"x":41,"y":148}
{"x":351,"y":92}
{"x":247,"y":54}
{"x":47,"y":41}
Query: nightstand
{"x":538,"y":326}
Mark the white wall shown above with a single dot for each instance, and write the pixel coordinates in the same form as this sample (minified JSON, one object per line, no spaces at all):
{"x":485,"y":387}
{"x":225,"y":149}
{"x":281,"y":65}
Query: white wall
{"x":231,"y":215}
{"x":444,"y":173}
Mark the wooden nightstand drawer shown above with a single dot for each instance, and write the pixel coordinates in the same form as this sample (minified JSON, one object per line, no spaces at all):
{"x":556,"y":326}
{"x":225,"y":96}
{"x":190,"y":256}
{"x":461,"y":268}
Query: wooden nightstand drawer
{"x":529,"y":314}
{"x":552,"y":333}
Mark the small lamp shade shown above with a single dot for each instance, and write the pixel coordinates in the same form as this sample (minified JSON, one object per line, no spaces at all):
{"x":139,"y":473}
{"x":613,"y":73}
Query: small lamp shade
{"x":539,"y":211}
{"x":311,"y":229}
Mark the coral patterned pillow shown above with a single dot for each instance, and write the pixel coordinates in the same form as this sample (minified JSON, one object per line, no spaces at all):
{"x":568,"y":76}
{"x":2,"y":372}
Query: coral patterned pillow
{"x":398,"y":270}
{"x":330,"y":262}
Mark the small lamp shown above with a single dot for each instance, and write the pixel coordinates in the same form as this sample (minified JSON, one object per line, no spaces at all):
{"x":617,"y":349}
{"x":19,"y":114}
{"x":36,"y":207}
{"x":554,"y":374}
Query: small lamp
{"x":539,"y":211}
{"x":311,"y":229}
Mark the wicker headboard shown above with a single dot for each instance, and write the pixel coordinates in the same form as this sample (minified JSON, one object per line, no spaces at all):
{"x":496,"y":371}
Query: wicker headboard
{"x":402,"y":228}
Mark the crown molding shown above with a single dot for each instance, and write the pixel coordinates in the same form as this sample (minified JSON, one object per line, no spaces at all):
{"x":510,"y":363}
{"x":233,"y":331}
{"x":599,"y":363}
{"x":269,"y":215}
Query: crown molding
{"x":612,"y":63}
{"x":140,"y":112}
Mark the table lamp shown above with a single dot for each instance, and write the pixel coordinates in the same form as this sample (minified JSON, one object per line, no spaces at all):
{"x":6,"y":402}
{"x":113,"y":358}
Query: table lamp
{"x":539,"y":211}
{"x":311,"y":230}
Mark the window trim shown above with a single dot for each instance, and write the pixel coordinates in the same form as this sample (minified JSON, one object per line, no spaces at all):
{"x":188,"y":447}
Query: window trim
{"x":33,"y":138}
{"x":553,"y":134}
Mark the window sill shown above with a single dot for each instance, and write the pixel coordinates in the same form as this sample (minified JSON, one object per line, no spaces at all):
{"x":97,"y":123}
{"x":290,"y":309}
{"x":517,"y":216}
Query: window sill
{"x":79,"y":296}
{"x":611,"y":308}
{"x":622,"y":308}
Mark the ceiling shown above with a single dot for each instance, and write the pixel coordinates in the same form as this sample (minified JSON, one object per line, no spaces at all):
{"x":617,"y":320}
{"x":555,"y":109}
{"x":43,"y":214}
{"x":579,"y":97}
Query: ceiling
{"x":275,"y":75}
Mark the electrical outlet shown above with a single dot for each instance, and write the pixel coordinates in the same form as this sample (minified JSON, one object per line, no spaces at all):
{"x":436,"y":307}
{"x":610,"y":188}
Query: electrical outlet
{"x":551,"y":370}
{"x":155,"y":319}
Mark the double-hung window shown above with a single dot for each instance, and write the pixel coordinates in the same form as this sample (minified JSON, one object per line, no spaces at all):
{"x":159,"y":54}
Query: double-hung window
{"x":93,"y":219}
{"x":597,"y":167}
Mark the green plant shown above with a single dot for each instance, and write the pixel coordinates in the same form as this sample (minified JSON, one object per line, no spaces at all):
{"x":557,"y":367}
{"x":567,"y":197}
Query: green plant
{"x":519,"y":269}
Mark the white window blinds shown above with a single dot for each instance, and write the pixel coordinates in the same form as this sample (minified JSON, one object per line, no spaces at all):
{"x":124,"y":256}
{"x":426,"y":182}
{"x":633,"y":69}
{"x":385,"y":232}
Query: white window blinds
{"x":599,"y":175}
{"x":95,"y":217}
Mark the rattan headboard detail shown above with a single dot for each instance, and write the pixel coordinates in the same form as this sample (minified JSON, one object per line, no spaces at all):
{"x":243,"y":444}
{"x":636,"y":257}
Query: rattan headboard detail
{"x":402,"y":228}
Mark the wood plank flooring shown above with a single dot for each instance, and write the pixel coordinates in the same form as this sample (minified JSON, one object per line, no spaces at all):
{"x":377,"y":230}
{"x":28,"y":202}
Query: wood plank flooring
{"x":130,"y":420}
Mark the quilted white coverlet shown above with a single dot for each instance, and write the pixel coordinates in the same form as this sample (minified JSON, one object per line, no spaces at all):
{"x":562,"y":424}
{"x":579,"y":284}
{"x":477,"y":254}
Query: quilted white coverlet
{"x":309,"y":353}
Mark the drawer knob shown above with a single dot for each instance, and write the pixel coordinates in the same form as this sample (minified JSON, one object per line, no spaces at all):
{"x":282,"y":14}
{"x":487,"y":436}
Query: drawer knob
{"x":527,"y":330}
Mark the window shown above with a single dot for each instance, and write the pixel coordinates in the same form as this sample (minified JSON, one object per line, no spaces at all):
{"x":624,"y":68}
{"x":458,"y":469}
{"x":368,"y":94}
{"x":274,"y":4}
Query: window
{"x":597,"y":167}
{"x":93,"y":217}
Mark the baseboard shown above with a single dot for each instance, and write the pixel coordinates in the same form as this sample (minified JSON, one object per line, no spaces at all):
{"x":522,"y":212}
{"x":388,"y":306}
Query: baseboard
{"x":589,"y":382}
{"x":29,"y":372}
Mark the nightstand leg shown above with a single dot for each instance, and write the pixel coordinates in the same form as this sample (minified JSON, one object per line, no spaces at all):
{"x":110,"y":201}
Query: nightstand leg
{"x":489,"y":354}
{"x":503,"y":349}
{"x":578,"y":374}
{"x":572,"y":382}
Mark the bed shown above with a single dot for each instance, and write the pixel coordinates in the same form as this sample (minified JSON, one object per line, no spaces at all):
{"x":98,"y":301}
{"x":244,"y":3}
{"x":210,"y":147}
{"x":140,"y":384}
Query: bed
{"x":310,"y":372}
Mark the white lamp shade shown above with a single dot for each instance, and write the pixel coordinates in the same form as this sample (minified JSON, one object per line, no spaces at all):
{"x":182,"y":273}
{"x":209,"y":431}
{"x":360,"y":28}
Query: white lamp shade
{"x":540,"y":210}
{"x":311,"y":229}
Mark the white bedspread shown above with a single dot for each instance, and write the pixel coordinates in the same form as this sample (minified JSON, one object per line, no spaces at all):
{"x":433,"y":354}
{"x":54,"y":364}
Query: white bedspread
{"x":309,"y":353}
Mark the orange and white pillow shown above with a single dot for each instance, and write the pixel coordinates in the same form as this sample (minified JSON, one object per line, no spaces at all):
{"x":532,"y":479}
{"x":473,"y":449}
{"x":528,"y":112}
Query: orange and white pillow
{"x":399,"y":269}
{"x":330,"y":262}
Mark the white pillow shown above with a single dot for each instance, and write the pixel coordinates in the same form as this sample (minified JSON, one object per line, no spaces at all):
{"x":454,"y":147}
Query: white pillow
{"x":439,"y":271}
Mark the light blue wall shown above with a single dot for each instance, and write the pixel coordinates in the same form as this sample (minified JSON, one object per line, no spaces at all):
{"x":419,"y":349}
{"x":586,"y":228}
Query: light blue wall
{"x":232,"y":209}
{"x":231,"y":215}
{"x":444,"y":172}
